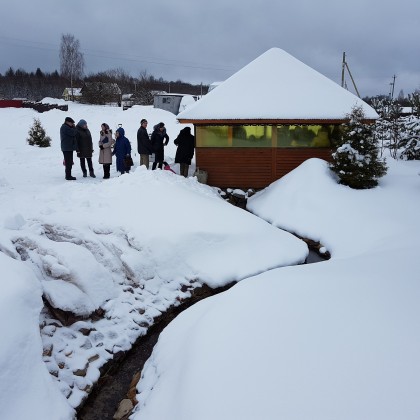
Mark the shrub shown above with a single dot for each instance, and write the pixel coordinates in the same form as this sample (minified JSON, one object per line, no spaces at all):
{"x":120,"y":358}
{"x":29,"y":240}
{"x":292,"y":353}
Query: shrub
{"x":356,"y":160}
{"x":37,"y":135}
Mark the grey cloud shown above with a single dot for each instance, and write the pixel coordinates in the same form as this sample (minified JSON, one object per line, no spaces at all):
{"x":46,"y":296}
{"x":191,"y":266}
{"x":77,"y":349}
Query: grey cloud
{"x":202,"y":41}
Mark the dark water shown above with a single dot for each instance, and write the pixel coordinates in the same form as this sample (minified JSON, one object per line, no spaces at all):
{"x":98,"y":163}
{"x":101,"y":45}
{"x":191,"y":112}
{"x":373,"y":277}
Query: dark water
{"x":314,"y":257}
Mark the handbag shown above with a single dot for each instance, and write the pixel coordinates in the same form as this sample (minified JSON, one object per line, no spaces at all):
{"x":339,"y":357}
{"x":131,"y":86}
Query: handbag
{"x":128,"y":162}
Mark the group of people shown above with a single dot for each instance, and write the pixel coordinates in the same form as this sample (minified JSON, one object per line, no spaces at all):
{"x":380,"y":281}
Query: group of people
{"x":77,"y":138}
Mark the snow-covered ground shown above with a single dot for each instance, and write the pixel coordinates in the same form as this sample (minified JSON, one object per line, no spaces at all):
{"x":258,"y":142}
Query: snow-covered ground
{"x":335,"y":340}
{"x":131,"y":246}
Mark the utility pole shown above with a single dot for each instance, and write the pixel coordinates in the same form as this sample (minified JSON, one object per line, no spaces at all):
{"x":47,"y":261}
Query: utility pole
{"x":343,"y":66}
{"x":392,"y":84}
{"x":346,"y":66}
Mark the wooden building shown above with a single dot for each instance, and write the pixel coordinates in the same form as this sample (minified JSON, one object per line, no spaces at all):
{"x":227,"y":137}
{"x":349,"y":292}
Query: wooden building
{"x":72,"y":94}
{"x":267,"y":119}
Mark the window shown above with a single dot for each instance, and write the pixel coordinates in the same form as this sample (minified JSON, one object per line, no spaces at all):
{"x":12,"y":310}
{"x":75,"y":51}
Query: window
{"x":266,"y":135}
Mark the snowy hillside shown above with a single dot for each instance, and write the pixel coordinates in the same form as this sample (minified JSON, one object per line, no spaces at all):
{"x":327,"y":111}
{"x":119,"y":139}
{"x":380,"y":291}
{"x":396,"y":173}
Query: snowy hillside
{"x":123,"y":249}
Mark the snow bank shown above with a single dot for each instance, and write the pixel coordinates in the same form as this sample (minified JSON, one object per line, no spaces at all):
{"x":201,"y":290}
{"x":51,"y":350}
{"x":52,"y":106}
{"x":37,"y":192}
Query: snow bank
{"x":132,"y":245}
{"x":27,"y":390}
{"x":337,"y":339}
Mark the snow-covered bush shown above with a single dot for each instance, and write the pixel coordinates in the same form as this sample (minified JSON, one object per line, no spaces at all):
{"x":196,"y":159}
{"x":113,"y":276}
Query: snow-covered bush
{"x":409,"y":144}
{"x":356,"y":160}
{"x":37,"y":135}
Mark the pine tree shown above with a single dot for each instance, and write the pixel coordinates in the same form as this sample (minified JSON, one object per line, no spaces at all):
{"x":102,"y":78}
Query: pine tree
{"x":37,"y":135}
{"x":356,"y":160}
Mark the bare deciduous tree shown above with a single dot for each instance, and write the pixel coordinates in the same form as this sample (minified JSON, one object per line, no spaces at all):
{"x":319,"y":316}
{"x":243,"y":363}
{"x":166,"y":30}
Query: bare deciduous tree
{"x":71,"y":59}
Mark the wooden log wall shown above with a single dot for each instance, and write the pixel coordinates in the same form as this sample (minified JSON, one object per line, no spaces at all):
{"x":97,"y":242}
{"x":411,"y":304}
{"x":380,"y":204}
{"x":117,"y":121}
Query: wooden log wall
{"x":252,"y":167}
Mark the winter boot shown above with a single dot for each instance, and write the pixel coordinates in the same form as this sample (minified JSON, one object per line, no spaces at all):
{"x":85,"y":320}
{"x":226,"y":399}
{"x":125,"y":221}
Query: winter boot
{"x":107,"y":171}
{"x":92,"y":174}
{"x":84,"y":174}
{"x":70,"y":178}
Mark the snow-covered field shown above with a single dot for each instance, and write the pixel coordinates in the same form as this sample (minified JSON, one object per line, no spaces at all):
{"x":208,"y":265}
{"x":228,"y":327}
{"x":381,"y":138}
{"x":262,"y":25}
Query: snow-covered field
{"x":334,"y":340}
{"x":131,"y":246}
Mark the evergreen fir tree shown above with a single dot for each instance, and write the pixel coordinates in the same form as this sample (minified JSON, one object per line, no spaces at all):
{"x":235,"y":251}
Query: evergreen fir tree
{"x":409,"y":145}
{"x":37,"y":135}
{"x":356,"y":160}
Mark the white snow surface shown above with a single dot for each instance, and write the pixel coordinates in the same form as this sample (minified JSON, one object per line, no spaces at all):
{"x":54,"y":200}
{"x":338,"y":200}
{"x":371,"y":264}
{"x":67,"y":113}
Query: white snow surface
{"x":276,"y":86}
{"x":339,"y":339}
{"x":131,"y":246}
{"x":27,"y":390}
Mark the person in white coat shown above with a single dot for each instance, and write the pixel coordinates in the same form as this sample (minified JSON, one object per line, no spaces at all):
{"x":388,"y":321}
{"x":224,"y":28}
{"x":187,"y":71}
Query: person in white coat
{"x":106,"y":142}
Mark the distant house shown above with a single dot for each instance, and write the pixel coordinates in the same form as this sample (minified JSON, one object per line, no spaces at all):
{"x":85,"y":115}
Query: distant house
{"x":406,"y":111}
{"x":101,"y":93}
{"x":142,"y":96}
{"x":173,"y":102}
{"x":70,"y":94}
{"x":127,"y":100}
{"x":267,"y":119}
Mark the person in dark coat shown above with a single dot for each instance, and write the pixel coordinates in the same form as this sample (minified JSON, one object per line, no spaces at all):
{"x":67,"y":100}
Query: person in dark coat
{"x":84,"y":147}
{"x":144,"y":145}
{"x":122,"y":149}
{"x":159,"y":139}
{"x":68,"y":145}
{"x":185,"y":143}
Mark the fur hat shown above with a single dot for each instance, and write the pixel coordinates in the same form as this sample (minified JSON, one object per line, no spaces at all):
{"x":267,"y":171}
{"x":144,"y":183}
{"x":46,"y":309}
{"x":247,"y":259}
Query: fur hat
{"x":69,"y":119}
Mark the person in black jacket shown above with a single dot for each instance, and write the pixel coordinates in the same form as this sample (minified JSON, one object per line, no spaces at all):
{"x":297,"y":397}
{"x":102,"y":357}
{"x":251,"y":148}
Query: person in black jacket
{"x":68,"y":145}
{"x":144,"y":145}
{"x":185,"y":143}
{"x":159,"y":139}
{"x":84,"y":147}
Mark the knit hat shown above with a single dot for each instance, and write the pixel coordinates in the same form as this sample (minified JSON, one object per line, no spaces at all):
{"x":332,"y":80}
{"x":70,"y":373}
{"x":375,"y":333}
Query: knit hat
{"x":69,"y":119}
{"x":81,"y":123}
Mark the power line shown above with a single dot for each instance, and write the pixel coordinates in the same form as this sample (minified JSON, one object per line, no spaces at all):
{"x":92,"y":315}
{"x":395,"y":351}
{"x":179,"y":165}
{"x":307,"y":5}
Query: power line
{"x":127,"y":57}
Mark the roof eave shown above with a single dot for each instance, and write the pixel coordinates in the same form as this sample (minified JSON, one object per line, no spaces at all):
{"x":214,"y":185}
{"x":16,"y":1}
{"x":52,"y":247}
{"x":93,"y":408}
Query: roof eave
{"x":289,"y":121}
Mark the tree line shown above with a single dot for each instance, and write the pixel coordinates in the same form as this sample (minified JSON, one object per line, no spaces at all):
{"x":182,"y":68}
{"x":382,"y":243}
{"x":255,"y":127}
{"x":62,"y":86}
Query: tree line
{"x":36,"y":85}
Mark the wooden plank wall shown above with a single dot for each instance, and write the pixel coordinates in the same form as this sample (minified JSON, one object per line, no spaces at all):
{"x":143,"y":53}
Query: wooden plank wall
{"x":252,"y":168}
{"x":289,"y":159}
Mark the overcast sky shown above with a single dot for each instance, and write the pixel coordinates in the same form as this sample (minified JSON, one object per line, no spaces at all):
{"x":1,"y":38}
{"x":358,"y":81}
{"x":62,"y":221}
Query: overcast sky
{"x":206,"y":41}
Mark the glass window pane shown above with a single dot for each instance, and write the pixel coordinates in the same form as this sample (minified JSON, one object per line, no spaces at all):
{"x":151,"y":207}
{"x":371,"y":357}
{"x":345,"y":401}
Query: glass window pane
{"x":212,"y":136}
{"x":306,"y":135}
{"x":263,"y":135}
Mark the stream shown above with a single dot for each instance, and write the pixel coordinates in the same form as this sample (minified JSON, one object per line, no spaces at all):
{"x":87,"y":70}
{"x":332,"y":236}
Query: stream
{"x":114,"y":385}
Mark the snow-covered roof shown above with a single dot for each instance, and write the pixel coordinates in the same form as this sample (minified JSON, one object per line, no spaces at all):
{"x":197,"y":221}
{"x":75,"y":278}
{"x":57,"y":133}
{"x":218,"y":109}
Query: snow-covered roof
{"x":172,"y":94}
{"x":276,"y":86}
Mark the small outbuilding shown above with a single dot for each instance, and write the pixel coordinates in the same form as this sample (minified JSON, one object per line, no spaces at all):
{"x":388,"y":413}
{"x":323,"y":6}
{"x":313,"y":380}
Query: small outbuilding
{"x":173,"y":102}
{"x":267,"y":119}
